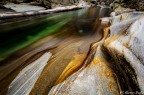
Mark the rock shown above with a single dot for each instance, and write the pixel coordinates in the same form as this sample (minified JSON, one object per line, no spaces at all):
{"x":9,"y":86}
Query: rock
{"x":23,"y":7}
{"x":123,"y":43}
{"x":134,"y":4}
{"x":114,"y":65}
{"x":96,"y":78}
{"x":26,"y":79}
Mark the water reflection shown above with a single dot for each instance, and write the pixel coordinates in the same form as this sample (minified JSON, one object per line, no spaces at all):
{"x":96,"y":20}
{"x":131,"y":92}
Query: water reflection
{"x":15,"y":35}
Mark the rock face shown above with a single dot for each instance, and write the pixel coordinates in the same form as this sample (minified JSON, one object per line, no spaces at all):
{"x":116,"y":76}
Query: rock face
{"x":125,"y":45}
{"x":124,"y":74}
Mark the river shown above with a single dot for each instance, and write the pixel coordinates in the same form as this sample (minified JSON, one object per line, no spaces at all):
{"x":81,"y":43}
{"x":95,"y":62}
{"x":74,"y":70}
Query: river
{"x":67,"y":35}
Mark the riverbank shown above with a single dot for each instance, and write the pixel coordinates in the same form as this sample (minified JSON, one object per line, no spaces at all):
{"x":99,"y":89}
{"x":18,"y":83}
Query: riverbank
{"x":11,"y":10}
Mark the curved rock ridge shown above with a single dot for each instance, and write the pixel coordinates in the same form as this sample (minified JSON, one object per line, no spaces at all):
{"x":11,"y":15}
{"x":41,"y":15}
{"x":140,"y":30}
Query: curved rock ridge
{"x":123,"y":43}
{"x":95,"y":79}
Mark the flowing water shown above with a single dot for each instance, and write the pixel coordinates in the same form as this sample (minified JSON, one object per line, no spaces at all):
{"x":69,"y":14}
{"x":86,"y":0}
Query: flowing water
{"x":18,"y":34}
{"x":67,"y":35}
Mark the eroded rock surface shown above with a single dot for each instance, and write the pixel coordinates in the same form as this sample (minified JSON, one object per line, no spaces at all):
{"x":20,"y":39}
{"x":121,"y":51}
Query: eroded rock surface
{"x":124,"y":45}
{"x":113,"y":65}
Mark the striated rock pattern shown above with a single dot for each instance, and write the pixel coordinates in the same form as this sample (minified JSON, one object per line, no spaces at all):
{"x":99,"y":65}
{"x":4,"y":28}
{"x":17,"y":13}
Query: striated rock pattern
{"x":26,"y":79}
{"x":113,"y":66}
{"x":125,"y":45}
{"x":123,"y":42}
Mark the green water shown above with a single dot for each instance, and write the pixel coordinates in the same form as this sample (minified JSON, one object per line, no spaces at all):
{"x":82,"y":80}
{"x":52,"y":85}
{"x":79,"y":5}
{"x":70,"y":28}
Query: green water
{"x":18,"y":34}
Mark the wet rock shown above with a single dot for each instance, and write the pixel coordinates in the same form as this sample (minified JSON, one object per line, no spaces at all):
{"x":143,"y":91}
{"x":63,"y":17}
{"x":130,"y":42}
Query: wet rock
{"x":26,"y":79}
{"x":95,"y":78}
{"x":123,"y":43}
